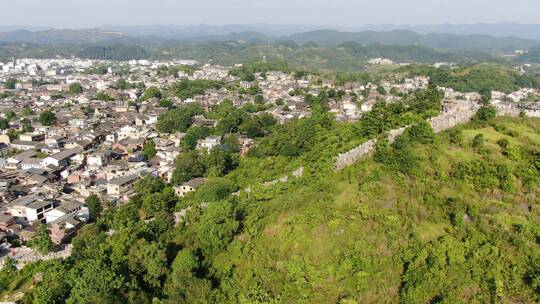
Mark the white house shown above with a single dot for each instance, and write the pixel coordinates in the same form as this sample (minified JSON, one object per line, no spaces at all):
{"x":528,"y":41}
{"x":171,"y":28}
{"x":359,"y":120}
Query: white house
{"x":61,"y":159}
{"x":30,"y":207}
{"x":209,"y":143}
{"x":32,"y":163}
{"x":128,"y":131}
{"x":190,"y":186}
{"x":67,"y":208}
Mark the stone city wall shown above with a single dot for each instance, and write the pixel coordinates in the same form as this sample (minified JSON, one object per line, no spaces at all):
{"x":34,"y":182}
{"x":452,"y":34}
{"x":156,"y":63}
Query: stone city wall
{"x":445,"y":121}
{"x":531,"y":109}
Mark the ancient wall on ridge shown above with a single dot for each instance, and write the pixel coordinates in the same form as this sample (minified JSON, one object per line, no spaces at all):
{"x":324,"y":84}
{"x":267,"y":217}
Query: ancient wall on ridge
{"x":461,"y":113}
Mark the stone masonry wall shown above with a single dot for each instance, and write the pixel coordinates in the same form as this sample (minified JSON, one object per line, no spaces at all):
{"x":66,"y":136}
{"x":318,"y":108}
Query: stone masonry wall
{"x":453,"y":117}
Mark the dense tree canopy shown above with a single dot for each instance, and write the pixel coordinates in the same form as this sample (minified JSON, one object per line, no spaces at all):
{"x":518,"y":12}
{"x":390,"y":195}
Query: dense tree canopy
{"x":47,"y":118}
{"x":75,"y":88}
{"x":178,"y":119}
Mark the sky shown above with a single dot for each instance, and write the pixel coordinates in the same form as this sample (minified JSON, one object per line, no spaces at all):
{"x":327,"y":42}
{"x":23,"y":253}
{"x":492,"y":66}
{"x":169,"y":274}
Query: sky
{"x":92,"y":13}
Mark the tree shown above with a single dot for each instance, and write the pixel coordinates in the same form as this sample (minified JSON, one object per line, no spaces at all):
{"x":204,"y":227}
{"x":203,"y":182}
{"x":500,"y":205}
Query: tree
{"x":121,"y":84}
{"x":188,"y":165}
{"x":10,"y":115}
{"x":10,"y":265}
{"x":219,"y":162}
{"x":259,"y":99}
{"x":366,"y":92}
{"x":484,"y":114}
{"x":10,"y":83}
{"x":456,"y":136}
{"x":88,"y":110}
{"x":149,"y":149}
{"x":179,"y":119}
{"x":231,"y":120}
{"x":4,"y":124}
{"x":375,"y":121}
{"x":94,"y":280}
{"x":42,"y":242}
{"x":94,"y":206}
{"x":103,"y":96}
{"x":230,"y":143}
{"x":184,"y":286}
{"x":26,"y":111}
{"x":75,"y":88}
{"x":165,"y":103}
{"x":47,"y":118}
{"x":485,"y":96}
{"x":215,"y":189}
{"x":26,"y":125}
{"x":151,"y":92}
{"x":421,"y":133}
{"x":216,"y":227}
{"x":54,"y":288}
{"x":193,"y":134}
{"x":252,"y":129}
{"x":149,"y":261}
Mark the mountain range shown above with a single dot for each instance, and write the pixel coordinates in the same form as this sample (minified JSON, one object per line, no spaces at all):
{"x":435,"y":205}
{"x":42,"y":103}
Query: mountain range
{"x":327,"y":38}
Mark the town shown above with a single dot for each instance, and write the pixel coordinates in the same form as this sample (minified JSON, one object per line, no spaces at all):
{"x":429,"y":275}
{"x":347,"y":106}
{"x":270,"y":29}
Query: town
{"x":74,"y":130}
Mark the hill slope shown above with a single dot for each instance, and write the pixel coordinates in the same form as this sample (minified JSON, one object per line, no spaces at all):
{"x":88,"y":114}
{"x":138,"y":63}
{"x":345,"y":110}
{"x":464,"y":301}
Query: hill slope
{"x":453,"y":219}
{"x":448,"y":232}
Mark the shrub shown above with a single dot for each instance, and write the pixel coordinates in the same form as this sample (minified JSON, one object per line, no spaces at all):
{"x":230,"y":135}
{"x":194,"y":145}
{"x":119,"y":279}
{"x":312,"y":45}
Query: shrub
{"x":421,"y":133}
{"x":478,"y":140}
{"x":485,"y":114}
{"x":455,"y":136}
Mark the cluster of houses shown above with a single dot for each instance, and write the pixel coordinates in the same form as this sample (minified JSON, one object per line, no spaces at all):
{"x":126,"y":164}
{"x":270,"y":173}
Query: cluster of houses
{"x":95,"y":147}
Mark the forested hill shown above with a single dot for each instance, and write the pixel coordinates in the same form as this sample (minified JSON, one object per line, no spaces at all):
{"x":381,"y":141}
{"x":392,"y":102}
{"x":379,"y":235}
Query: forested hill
{"x":349,"y":56}
{"x":321,"y":49}
{"x":431,"y":218}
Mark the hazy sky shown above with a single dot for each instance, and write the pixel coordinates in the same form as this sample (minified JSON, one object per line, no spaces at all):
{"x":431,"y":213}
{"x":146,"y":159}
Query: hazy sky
{"x":88,"y":13}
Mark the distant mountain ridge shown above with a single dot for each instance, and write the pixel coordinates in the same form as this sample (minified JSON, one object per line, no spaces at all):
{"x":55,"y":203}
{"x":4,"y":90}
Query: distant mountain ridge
{"x":66,"y":36}
{"x":325,"y":38}
{"x":405,"y":37}
{"x":501,"y":29}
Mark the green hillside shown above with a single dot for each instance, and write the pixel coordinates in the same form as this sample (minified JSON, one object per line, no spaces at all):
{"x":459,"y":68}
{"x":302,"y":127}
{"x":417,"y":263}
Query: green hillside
{"x":349,"y":56}
{"x":373,"y":235}
{"x":447,"y":218}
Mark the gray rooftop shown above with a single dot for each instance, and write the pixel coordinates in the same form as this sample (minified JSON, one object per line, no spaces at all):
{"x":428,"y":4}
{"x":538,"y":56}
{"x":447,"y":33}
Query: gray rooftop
{"x":123,"y":180}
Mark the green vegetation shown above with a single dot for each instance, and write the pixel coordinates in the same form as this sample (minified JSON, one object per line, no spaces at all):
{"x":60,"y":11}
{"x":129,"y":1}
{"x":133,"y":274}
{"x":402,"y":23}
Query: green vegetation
{"x":185,"y":89}
{"x":42,"y":241}
{"x":151,"y":92}
{"x":94,"y":205}
{"x":149,"y":149}
{"x":10,"y":115}
{"x":113,"y":52}
{"x":179,"y":119}
{"x":103,"y":96}
{"x":75,"y":88}
{"x":4,"y":124}
{"x":480,"y":78}
{"x":344,"y":56}
{"x":247,"y":71}
{"x":47,"y":118}
{"x":426,"y":219}
{"x":10,"y":83}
